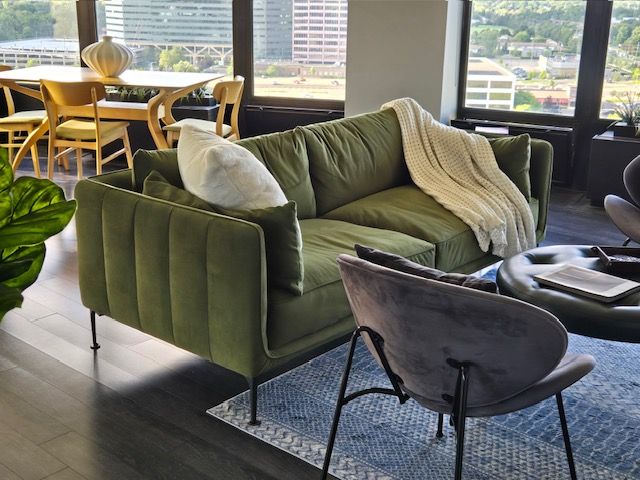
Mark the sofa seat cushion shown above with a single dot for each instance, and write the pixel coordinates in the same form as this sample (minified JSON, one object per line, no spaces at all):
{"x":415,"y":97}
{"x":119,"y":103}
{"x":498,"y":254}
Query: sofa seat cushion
{"x":324,"y":301}
{"x":408,"y":210}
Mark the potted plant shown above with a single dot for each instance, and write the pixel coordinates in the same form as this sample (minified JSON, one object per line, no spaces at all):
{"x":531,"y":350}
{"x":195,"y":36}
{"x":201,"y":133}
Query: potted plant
{"x":628,"y":110}
{"x":200,"y":97}
{"x":31,"y":210}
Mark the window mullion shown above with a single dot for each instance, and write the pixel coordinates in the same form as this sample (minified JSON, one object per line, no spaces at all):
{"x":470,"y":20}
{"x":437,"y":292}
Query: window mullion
{"x":87,"y":23}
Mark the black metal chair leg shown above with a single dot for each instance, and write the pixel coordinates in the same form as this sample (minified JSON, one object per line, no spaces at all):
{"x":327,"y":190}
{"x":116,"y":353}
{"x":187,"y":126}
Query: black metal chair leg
{"x":439,"y":433}
{"x":626,"y":242}
{"x":253,"y":401}
{"x":565,"y":436}
{"x":339,"y":404}
{"x":461,"y":420}
{"x":95,"y":345}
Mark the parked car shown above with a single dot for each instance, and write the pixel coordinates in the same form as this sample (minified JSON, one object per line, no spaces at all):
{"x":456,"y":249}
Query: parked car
{"x":520,"y":72}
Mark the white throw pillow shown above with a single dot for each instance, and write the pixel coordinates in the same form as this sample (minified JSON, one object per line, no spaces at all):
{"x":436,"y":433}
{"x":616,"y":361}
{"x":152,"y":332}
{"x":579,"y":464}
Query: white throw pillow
{"x":223,"y":173}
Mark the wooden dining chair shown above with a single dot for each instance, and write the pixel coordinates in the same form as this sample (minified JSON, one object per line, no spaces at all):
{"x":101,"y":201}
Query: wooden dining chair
{"x":18,"y":126}
{"x":80,"y":133}
{"x":227,"y":94}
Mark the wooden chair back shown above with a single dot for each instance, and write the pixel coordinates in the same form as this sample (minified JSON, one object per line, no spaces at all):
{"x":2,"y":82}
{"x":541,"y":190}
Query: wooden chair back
{"x":229,"y":93}
{"x":73,"y":94}
{"x":11,"y":107}
{"x":58,"y":95}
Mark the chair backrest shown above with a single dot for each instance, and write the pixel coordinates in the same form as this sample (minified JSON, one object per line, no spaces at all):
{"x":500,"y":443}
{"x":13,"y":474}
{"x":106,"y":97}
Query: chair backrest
{"x":11,"y":107}
{"x":631,"y":177}
{"x":229,"y":93}
{"x":57,"y":96}
{"x":510,"y":344}
{"x":72,"y":94}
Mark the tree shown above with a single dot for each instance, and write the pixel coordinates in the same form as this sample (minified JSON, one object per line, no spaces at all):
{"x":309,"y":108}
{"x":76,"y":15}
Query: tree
{"x":634,"y":38}
{"x":22,"y":19}
{"x":184,"y":66}
{"x":488,"y":39}
{"x":522,"y":36}
{"x":525,"y":98}
{"x":271,"y":71}
{"x":169,"y":58}
{"x":622,"y":34}
{"x":207,"y":62}
{"x":64,"y":14}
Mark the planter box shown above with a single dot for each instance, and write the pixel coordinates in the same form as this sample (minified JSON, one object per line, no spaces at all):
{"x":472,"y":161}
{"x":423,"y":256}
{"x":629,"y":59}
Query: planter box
{"x":621,"y":129}
{"x":201,"y":112}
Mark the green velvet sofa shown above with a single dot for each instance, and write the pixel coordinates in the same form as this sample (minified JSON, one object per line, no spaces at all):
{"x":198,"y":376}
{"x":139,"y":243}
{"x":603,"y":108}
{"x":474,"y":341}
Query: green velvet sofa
{"x":198,"y":279}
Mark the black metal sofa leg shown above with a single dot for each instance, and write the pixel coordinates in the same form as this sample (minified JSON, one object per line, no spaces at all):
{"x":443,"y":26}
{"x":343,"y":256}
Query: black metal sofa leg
{"x":565,"y":436}
{"x":253,"y":401}
{"x":95,"y":346}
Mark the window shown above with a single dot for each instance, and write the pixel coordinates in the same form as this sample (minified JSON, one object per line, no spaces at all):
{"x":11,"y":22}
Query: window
{"x":525,"y":55}
{"x":171,"y":35}
{"x":622,"y":73}
{"x":38,"y":32}
{"x":299,"y":48}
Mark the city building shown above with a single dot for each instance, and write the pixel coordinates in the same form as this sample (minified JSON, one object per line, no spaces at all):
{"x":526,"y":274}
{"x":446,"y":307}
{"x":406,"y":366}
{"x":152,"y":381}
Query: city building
{"x":36,"y":51}
{"x":489,"y":85}
{"x":202,"y":28}
{"x":320,"y":31}
{"x":272,"y":29}
{"x":560,"y":67}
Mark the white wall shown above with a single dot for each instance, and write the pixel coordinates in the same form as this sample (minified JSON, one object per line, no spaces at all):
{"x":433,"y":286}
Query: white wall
{"x":403,"y":48}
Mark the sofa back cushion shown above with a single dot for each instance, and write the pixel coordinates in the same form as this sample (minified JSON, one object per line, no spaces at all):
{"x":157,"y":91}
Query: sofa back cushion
{"x":354,"y":157}
{"x":164,"y":162}
{"x":285,"y":155}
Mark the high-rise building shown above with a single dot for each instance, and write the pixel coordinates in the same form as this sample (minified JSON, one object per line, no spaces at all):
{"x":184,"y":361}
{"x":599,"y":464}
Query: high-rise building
{"x":320,"y":31}
{"x":305,"y":31}
{"x":200,"y":27}
{"x":272,"y":29}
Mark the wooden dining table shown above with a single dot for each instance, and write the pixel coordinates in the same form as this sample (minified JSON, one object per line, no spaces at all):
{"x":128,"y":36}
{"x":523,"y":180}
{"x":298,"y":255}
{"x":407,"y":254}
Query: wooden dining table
{"x":170,"y":86}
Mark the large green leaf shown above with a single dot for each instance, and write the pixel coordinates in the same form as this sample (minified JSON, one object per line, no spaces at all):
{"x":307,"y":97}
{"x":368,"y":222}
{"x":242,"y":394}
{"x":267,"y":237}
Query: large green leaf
{"x":31,"y":210}
{"x":6,"y":178}
{"x":34,"y":256}
{"x":9,"y":270}
{"x":10,"y":298}
{"x":31,"y":194}
{"x":37,"y":226}
{"x":6,"y":172}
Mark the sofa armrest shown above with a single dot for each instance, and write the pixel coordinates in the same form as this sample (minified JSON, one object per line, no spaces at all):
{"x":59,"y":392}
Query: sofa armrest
{"x":119,"y":178}
{"x":540,"y":171}
{"x":193,"y":278}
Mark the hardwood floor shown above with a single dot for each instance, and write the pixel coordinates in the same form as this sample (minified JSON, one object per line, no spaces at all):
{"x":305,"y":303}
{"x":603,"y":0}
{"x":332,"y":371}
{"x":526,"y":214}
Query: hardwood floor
{"x":135,"y":409}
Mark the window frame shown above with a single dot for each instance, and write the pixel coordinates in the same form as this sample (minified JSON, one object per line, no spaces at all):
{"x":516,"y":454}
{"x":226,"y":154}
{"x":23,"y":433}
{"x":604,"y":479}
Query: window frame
{"x":242,"y":19}
{"x":586,"y":121}
{"x":590,"y":79}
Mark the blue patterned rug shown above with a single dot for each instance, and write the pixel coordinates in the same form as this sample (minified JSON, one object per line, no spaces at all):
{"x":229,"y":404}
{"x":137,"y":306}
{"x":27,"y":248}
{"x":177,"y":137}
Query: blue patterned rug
{"x":380,"y":439}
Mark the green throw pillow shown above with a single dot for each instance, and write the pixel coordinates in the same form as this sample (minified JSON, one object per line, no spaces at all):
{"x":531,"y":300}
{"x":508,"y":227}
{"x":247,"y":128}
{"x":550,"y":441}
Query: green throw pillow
{"x":282,"y":236}
{"x":513,"y":155}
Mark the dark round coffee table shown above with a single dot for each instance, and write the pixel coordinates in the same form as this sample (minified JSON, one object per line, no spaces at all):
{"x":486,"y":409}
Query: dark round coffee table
{"x":619,"y":320}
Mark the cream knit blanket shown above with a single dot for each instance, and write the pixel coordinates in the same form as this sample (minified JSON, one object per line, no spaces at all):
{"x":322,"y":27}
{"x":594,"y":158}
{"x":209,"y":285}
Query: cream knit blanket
{"x":459,"y":170}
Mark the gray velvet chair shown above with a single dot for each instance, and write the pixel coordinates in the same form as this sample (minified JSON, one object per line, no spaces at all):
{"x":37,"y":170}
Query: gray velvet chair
{"x":456,"y":351}
{"x":625,"y":215}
